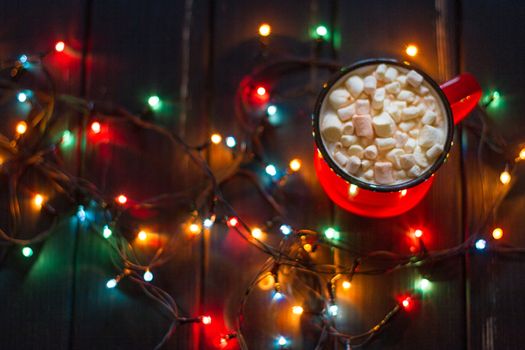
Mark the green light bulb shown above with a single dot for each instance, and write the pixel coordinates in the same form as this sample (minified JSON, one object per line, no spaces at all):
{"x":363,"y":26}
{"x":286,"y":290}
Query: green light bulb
{"x":27,"y":252}
{"x":154,"y":102}
{"x":106,"y":232}
{"x":331,"y":233}
{"x":321,"y":32}
{"x":67,"y":138}
{"x":424,"y":285}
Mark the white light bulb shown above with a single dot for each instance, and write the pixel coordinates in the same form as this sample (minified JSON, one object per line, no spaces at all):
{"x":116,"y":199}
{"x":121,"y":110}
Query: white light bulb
{"x":148,"y":276}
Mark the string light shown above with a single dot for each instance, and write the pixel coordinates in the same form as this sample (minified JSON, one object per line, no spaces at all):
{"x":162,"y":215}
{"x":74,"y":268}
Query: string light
{"x":333,"y":310}
{"x":148,"y":276}
{"x":38,"y":200}
{"x":21,"y":97}
{"x":321,"y":32}
{"x":481,"y":244}
{"x":81,"y":213}
{"x":142,"y":236}
{"x":347,"y":285}
{"x":257,"y":233}
{"x":208,"y":223}
{"x":297,"y":310}
{"x":194,"y":228}
{"x":112,"y":283}
{"x":418,"y":233}
{"x":406,"y":303}
{"x":60,"y":46}
{"x":261,"y":91}
{"x":271,"y":110}
{"x":96,"y":127}
{"x":216,"y":139}
{"x":497,"y":233}
{"x":67,"y":138}
{"x":331,"y":233}
{"x":285,"y":229}
{"x":265,"y":30}
{"x":307,"y":247}
{"x":233,"y":221}
{"x":21,"y":128}
{"x":411,"y":50}
{"x":154,"y":102}
{"x":277,"y":296}
{"x":282,"y":341}
{"x":271,"y":170}
{"x":231,"y":142}
{"x":352,"y":190}
{"x":106,"y":232}
{"x":121,"y":199}
{"x":23,"y":59}
{"x":27,"y":252}
{"x":505,"y":177}
{"x":206,"y":320}
{"x":424,"y":285}
{"x":522,"y":154}
{"x":295,"y":164}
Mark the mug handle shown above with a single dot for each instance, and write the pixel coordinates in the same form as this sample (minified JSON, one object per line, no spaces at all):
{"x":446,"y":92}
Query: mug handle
{"x":463,"y":93}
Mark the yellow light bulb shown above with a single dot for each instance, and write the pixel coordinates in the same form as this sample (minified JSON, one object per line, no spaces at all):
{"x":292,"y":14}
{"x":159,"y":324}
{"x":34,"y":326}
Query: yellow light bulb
{"x":307,"y":247}
{"x":194,"y":228}
{"x":522,"y":154}
{"x":142,"y":236}
{"x":265,"y":29}
{"x":505,"y":177}
{"x":411,"y":50}
{"x":295,"y":164}
{"x":21,"y":127}
{"x":347,"y":285}
{"x":297,"y":310}
{"x":216,"y":138}
{"x":257,"y":233}
{"x":497,"y":233}
{"x":38,"y":200}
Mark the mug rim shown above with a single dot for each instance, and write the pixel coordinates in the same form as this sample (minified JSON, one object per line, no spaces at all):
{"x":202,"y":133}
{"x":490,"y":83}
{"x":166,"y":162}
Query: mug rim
{"x":355,"y":180}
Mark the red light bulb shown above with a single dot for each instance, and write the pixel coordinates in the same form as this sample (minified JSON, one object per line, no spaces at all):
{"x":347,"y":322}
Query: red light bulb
{"x":122,"y":199}
{"x":96,"y":127}
{"x":418,"y":233}
{"x":60,"y":46}
{"x":206,"y":320}
{"x":406,"y":303}
{"x":261,"y":91}
{"x":232,"y":222}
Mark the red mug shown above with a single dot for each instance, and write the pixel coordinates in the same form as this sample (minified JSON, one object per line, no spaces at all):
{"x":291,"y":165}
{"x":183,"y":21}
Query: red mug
{"x":459,"y":96}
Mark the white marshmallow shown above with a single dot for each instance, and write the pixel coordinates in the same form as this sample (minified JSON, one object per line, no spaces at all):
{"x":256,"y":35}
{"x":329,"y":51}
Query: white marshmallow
{"x":414,"y":133}
{"x":354,"y":84}
{"x":348,"y":128}
{"x":365,"y":164}
{"x":385,"y":143}
{"x":380,"y":71}
{"x":370,"y":84}
{"x":434,"y":151}
{"x":346,"y":113}
{"x":348,"y":140}
{"x":420,"y":157}
{"x":401,"y":138}
{"x":331,"y":127}
{"x":407,"y":161}
{"x":340,"y":158}
{"x":369,"y":174}
{"x":393,"y":156}
{"x":415,"y":171}
{"x":414,"y":78}
{"x":362,"y":106}
{"x":429,"y":117}
{"x":429,"y":136}
{"x":393,"y":87}
{"x":384,"y":125}
{"x":340,"y":98}
{"x":406,"y":95}
{"x":391,"y":74}
{"x":430,"y":101}
{"x":394,"y":112}
{"x":365,"y":141}
{"x":355,"y":150}
{"x":353,"y":165}
{"x":378,"y":99}
{"x":363,"y":125}
{"x":383,"y":173}
{"x":400,"y":104}
{"x":370,"y":152}
{"x":400,"y":175}
{"x":402,"y":79}
{"x":406,"y":126}
{"x":410,"y":145}
{"x":423,"y":90}
{"x":410,"y":113}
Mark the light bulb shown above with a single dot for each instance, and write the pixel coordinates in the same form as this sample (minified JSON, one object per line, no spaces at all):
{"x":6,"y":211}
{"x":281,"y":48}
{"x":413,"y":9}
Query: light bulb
{"x":148,"y":276}
{"x":285,"y":229}
{"x":277,"y":296}
{"x":257,"y":233}
{"x":406,"y":303}
{"x":154,"y":102}
{"x":216,"y":139}
{"x":333,"y":310}
{"x":331,"y":233}
{"x":96,"y":127}
{"x":265,"y":29}
{"x":297,"y":310}
{"x":347,"y":285}
{"x":261,"y":91}
{"x":21,"y":127}
{"x":231,"y":142}
{"x":271,"y":110}
{"x":418,"y":233}
{"x":67,"y":138}
{"x":321,"y":31}
{"x":206,"y":320}
{"x":106,"y":232}
{"x":22,"y":97}
{"x":112,"y":283}
{"x":142,"y":235}
{"x":233,"y":221}
{"x":522,"y":154}
{"x":505,"y":177}
{"x":194,"y":228}
{"x":411,"y":50}
{"x":23,"y":59}
{"x":497,"y":233}
{"x":81,"y":213}
{"x":121,"y":199}
{"x":282,"y":341}
{"x":27,"y":252}
{"x":60,"y":46}
{"x":424,"y":285}
{"x":38,"y":200}
{"x":295,"y":164}
{"x":481,"y":244}
{"x":207,"y":222}
{"x":271,"y":170}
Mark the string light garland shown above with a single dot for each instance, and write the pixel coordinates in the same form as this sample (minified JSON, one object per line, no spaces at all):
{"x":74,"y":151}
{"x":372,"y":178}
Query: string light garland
{"x":293,"y":253}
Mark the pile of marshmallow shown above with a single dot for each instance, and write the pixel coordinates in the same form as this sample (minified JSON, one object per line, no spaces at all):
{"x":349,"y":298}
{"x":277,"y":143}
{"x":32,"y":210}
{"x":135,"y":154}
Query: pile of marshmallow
{"x":383,"y":126}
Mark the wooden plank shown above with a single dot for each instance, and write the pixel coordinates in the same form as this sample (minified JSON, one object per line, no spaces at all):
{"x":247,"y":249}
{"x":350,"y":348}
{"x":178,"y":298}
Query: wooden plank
{"x":490,"y":32}
{"x":367,"y":31}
